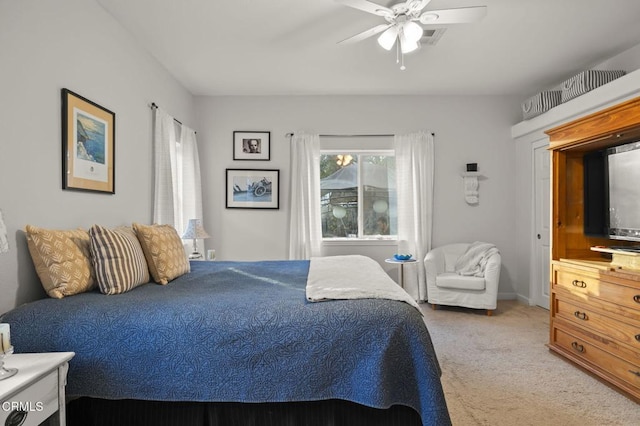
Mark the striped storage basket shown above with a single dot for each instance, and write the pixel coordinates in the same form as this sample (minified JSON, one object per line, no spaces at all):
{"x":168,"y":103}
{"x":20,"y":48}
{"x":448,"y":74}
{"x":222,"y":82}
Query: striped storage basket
{"x":542,"y":102}
{"x":587,"y":81}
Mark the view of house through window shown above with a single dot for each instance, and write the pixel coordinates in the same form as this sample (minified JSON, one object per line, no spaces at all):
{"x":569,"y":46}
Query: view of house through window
{"x":358,"y":194}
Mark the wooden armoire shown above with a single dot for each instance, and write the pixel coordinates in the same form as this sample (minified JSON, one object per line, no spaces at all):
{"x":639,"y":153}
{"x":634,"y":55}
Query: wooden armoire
{"x":594,"y":298}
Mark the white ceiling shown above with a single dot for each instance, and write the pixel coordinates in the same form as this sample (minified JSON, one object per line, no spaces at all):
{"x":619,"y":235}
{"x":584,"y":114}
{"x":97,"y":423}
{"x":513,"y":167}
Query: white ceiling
{"x":289,"y":47}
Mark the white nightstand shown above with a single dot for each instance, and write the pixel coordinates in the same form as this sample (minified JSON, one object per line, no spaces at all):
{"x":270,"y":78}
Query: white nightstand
{"x":37,"y":391}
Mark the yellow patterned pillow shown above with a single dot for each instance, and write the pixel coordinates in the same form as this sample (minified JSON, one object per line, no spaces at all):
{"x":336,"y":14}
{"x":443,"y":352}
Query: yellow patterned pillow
{"x":62,"y":260}
{"x":164,"y":251}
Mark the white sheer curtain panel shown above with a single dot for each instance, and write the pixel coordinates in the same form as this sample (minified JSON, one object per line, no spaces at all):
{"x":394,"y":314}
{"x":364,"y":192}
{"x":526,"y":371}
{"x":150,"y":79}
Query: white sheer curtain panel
{"x":191,"y":183}
{"x":178,"y":191}
{"x":414,"y":182}
{"x":305,"y":231}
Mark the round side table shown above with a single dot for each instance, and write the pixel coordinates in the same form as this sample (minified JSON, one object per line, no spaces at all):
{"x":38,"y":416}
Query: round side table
{"x":401,"y":263}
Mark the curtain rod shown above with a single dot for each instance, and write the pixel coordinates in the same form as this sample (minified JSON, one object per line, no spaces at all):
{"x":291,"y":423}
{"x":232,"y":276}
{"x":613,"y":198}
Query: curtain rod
{"x":354,"y":136}
{"x":154,"y":105}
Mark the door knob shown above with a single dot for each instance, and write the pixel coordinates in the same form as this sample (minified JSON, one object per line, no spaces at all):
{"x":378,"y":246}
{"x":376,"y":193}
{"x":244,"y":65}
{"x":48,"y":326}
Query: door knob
{"x":539,"y":236}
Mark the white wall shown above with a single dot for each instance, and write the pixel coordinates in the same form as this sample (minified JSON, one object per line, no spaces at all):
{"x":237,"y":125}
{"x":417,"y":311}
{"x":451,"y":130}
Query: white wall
{"x":45,"y":46}
{"x":468,"y":129}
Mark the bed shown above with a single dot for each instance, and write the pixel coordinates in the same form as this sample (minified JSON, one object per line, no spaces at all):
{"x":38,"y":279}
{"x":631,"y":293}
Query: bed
{"x":240,"y":337}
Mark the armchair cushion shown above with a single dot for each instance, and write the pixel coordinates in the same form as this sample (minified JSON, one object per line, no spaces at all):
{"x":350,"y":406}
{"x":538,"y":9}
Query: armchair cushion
{"x":454,"y":281}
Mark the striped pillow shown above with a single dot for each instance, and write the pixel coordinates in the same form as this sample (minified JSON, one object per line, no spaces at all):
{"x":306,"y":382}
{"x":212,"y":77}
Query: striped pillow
{"x":118,"y":259}
{"x":586,"y":81}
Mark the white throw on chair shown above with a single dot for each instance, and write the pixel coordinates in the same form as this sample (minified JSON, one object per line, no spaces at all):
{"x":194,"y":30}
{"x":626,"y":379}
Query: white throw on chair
{"x":463,"y":274}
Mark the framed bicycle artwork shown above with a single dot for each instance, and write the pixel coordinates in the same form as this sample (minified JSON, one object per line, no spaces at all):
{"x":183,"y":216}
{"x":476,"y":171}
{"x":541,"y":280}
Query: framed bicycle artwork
{"x":253,"y":189}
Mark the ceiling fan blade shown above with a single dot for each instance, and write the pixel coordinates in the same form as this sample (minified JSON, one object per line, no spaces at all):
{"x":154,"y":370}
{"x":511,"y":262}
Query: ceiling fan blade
{"x":417,"y":5}
{"x":367,"y":6}
{"x":463,"y":15}
{"x":366,"y":34}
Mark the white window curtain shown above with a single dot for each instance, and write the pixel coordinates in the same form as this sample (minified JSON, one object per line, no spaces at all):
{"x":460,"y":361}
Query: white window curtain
{"x":178,"y":191}
{"x":305,"y":228}
{"x":415,"y":171}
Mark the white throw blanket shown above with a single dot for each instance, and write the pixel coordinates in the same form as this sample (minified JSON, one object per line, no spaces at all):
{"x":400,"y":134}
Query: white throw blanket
{"x":351,"y":277}
{"x":474,"y":260}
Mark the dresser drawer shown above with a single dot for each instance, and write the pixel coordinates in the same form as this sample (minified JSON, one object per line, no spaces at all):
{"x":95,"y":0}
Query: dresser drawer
{"x":591,"y":284}
{"x":39,"y":401}
{"x":582,"y":315}
{"x":601,"y":360}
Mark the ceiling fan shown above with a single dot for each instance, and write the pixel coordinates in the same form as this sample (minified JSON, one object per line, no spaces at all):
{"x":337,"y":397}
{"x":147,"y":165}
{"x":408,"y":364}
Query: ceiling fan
{"x":404,"y":23}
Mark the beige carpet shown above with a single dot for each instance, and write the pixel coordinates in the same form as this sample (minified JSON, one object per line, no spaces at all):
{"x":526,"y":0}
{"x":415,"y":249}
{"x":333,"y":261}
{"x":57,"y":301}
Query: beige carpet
{"x":497,"y":371}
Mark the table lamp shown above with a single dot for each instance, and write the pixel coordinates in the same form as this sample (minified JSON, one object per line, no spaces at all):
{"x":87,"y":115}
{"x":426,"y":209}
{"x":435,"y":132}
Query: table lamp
{"x":5,"y":350}
{"x":195,"y":231}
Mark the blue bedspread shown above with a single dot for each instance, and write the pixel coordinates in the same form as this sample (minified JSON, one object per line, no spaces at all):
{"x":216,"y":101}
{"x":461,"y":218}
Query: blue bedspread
{"x":238,"y":331}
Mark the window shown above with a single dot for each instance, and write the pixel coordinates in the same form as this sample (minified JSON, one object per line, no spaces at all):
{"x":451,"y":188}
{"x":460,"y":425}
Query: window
{"x":358,"y":194}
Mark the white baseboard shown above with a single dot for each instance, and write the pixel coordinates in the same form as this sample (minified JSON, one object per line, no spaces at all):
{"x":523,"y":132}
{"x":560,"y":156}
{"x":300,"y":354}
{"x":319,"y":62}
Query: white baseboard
{"x":507,"y":296}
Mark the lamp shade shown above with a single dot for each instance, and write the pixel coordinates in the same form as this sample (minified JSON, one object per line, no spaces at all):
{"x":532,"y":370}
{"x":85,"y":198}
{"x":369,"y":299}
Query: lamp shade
{"x":406,"y":45}
{"x":195,"y":230}
{"x":412,"y":31}
{"x":388,"y":38}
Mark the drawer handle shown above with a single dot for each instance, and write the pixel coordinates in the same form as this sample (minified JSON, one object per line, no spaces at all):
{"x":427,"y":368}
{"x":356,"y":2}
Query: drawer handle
{"x":577,"y":346}
{"x":579,"y":283}
{"x":580,"y":315}
{"x":637,"y":373}
{"x":636,"y":298}
{"x":637,"y":336}
{"x":16,"y":418}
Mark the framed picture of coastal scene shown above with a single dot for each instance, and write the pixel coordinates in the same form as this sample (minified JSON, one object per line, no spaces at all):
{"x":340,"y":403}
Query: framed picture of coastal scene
{"x":88,"y":145}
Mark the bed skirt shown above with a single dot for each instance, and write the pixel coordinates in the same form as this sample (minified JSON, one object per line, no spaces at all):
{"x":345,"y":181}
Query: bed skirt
{"x":101,"y":412}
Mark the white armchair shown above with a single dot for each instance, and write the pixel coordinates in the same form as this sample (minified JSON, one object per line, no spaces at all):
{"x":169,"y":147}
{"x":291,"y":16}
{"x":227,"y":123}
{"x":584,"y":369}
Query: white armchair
{"x":446,"y":287}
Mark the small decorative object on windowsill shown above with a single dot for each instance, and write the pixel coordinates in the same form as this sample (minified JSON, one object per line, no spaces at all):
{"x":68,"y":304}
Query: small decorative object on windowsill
{"x":5,"y":350}
{"x":195,"y":231}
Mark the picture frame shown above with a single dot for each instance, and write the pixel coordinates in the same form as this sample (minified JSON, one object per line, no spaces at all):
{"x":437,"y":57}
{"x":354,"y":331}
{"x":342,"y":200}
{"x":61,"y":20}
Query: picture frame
{"x":250,"y":145}
{"x":252,"y":189}
{"x":88,"y":145}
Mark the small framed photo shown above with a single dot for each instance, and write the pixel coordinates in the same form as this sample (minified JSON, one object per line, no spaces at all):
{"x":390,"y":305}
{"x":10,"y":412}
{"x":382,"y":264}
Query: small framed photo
{"x":88,"y":145}
{"x":253,"y":189}
{"x":252,"y":146}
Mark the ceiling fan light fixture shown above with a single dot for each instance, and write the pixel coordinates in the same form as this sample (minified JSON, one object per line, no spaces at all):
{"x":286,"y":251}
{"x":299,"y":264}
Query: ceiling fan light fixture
{"x":412,"y":31}
{"x":388,"y":38}
{"x":407,"y":45}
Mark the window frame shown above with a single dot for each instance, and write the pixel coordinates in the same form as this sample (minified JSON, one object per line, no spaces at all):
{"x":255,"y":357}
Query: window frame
{"x":361,"y":239}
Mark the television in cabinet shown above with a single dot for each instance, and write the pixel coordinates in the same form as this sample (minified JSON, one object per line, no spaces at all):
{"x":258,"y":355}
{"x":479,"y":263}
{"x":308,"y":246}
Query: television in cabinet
{"x":612,"y":192}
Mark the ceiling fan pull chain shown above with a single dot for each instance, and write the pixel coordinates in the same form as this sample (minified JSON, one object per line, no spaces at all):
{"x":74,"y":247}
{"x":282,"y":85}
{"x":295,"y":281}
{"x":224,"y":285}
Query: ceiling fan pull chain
{"x":399,"y":55}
